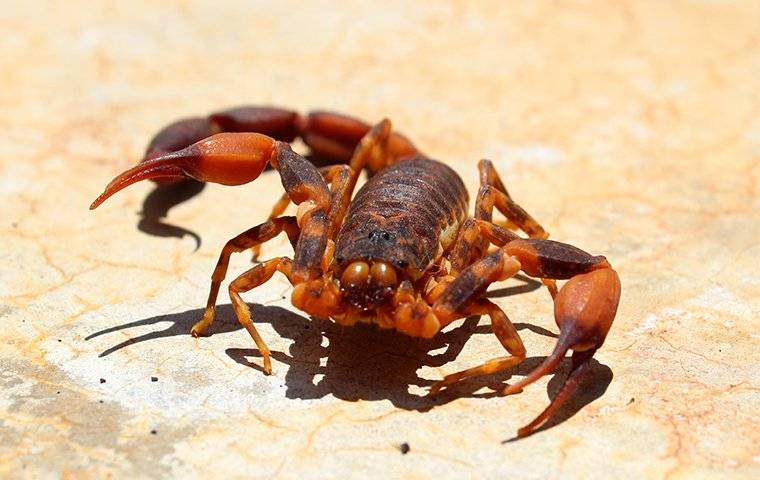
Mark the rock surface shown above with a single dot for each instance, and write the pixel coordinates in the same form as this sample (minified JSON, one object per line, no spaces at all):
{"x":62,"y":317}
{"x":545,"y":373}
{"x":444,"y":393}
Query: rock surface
{"x":629,"y":129}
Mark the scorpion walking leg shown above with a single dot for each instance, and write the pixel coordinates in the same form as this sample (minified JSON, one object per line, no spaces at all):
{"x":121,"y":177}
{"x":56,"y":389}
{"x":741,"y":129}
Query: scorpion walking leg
{"x":507,"y":335}
{"x":248,"y":239}
{"x":472,"y":242}
{"x":492,"y":194}
{"x":459,"y":298}
{"x":248,"y":281}
{"x":371,"y":152}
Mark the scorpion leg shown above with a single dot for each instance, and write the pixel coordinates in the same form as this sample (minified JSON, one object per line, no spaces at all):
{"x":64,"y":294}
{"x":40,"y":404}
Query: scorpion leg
{"x":506,"y":334}
{"x":459,"y":298}
{"x":248,"y":239}
{"x":472,"y":242}
{"x":248,"y":281}
{"x":371,"y":152}
{"x":492,"y":194}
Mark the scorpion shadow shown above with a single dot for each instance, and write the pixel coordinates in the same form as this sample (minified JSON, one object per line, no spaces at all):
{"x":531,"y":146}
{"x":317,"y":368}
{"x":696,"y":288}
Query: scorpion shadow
{"x":156,"y":207}
{"x":370,"y":364}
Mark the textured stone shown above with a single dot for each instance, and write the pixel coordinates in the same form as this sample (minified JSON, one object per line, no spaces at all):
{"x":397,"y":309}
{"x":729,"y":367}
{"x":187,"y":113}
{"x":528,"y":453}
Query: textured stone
{"x":629,"y":129}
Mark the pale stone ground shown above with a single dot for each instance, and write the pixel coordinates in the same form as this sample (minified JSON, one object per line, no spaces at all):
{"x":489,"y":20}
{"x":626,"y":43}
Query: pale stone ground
{"x":631,"y":129}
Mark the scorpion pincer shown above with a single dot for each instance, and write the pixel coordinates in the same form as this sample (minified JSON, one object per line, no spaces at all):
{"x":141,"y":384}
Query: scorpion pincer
{"x":401,"y":253}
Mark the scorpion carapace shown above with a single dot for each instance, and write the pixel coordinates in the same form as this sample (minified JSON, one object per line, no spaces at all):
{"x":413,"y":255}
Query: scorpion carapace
{"x":402,"y":254}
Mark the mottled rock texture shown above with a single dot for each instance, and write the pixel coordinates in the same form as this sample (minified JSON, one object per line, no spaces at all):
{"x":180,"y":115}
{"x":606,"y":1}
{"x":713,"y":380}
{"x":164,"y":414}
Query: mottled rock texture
{"x":630,"y":129}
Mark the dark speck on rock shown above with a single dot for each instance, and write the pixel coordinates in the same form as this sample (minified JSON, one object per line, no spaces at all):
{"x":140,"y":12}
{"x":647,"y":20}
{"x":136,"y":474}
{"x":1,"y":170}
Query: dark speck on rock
{"x":404,"y":447}
{"x":102,"y":380}
{"x":153,"y":379}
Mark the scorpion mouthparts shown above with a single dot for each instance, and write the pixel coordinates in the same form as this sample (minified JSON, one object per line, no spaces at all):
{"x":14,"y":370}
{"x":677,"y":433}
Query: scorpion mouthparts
{"x":151,"y":169}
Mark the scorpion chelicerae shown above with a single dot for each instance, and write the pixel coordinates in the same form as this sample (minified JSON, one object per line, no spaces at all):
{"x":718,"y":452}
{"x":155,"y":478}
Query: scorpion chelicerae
{"x":401,"y":253}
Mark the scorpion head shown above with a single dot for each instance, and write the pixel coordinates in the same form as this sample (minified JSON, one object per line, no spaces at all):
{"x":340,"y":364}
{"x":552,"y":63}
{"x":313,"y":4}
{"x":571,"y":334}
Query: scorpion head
{"x":371,"y":262}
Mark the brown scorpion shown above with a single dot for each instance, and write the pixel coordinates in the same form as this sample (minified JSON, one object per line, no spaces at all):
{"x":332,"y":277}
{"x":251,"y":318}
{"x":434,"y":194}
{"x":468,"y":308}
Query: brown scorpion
{"x":401,"y":253}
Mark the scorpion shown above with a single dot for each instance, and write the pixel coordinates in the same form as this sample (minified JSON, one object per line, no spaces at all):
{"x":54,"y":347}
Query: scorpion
{"x":401,"y":252}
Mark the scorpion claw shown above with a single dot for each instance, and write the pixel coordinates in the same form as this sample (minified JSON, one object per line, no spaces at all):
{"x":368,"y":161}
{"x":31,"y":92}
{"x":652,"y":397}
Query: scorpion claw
{"x":226,"y":158}
{"x":583,"y":309}
{"x":150,"y":169}
{"x":578,"y":372}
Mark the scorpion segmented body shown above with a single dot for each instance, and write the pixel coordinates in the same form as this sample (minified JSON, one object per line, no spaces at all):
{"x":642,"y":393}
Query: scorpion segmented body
{"x":407,"y":216}
{"x":402,"y":253}
{"x":403,"y":214}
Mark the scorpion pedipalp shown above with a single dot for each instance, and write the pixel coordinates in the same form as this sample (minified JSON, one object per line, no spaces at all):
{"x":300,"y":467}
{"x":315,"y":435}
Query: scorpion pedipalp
{"x":226,"y":158}
{"x":584,"y":310}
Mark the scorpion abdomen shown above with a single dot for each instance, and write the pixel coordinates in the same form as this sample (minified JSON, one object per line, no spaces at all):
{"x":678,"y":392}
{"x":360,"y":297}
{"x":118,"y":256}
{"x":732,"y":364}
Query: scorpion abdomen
{"x":402,"y":214}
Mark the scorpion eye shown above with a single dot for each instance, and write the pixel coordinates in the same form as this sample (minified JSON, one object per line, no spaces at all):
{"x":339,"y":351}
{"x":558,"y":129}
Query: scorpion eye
{"x":379,"y":236}
{"x":401,"y":263}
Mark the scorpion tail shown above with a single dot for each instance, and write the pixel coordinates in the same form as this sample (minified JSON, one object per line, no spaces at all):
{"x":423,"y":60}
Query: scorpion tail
{"x":226,"y":158}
